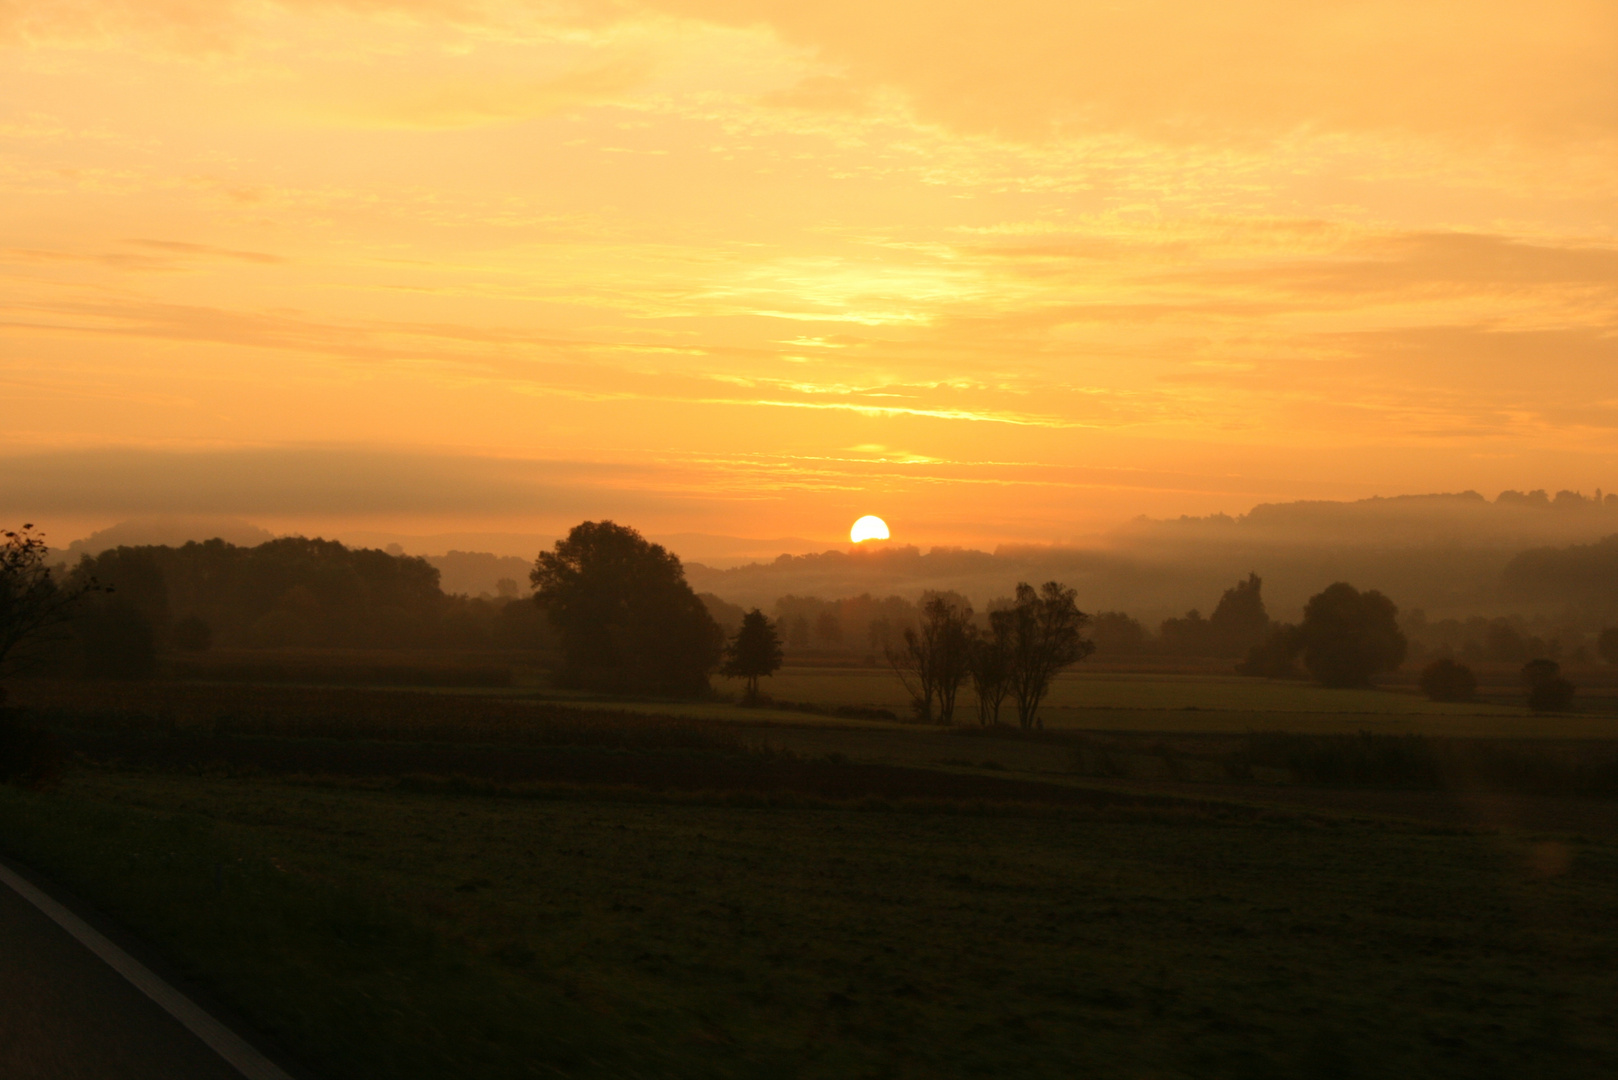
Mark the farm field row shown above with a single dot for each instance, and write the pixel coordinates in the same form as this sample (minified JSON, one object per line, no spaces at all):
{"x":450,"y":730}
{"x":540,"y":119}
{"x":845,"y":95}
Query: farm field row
{"x":1156,"y":702}
{"x":1109,"y":690}
{"x":389,"y":933}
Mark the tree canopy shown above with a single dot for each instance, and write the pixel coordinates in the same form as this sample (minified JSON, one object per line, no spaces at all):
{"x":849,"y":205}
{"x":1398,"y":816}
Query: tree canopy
{"x":627,"y":619}
{"x":1446,"y":680}
{"x":1347,"y":636}
{"x":754,"y":653}
{"x":34,"y":606}
{"x":1044,"y":630}
{"x":1239,"y":623}
{"x":934,"y":657}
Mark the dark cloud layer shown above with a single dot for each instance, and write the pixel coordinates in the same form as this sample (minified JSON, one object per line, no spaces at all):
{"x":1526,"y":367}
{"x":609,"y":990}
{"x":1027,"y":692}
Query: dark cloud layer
{"x":322,"y":481}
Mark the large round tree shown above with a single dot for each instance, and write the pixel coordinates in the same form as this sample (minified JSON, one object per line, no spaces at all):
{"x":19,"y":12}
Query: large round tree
{"x":627,"y":619}
{"x":1347,"y":635}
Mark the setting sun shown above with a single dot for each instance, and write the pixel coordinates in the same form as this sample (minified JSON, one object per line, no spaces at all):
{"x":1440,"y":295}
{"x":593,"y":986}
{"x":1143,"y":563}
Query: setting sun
{"x":869,"y":527}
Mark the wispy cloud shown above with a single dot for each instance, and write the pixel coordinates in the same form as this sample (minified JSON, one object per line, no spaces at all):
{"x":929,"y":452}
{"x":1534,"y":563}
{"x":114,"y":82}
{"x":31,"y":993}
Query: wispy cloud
{"x":1297,"y":248}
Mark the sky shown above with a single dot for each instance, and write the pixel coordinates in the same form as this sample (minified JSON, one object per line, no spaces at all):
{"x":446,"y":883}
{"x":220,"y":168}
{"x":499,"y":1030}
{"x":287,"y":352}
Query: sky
{"x":1009,"y":272}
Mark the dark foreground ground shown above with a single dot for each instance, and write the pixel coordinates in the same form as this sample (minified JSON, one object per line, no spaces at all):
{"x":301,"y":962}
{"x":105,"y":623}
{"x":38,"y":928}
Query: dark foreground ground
{"x":769,"y":915}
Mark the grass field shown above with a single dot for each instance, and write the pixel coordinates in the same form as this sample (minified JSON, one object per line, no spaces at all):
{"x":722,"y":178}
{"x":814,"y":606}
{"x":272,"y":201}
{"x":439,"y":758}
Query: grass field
{"x":406,"y":883}
{"x":1114,"y":701}
{"x":1084,"y":690}
{"x":397,"y":934}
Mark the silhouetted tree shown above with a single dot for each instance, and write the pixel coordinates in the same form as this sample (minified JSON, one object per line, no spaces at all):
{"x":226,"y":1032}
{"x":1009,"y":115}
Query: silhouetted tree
{"x":1044,"y":629}
{"x":1446,"y":680}
{"x":1348,"y":636}
{"x":755,"y":652}
{"x":1547,"y":690}
{"x":136,"y":575}
{"x":1117,"y":634}
{"x":991,"y":667}
{"x":34,"y":607}
{"x":1240,"y":621}
{"x":625,"y":614}
{"x":1276,"y":657}
{"x":934,"y":658}
{"x":1187,"y":636}
{"x":293,"y":591}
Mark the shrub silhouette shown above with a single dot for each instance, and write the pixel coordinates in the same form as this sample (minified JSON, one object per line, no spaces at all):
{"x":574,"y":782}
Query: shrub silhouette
{"x":1276,"y":656}
{"x":1446,"y":680}
{"x":1547,"y":690}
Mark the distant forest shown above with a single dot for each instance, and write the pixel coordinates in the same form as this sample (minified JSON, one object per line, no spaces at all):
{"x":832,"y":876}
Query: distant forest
{"x":1465,"y":573}
{"x":300,"y":593}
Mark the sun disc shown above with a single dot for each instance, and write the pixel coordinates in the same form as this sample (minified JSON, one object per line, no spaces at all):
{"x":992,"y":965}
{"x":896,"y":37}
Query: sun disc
{"x":869,"y":527}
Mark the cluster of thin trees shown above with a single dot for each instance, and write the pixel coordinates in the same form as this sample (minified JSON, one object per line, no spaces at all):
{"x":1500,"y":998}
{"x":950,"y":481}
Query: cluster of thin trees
{"x":1015,"y":656}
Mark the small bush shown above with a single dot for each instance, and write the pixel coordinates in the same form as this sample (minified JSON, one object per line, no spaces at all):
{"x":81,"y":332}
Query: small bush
{"x":1446,"y":680}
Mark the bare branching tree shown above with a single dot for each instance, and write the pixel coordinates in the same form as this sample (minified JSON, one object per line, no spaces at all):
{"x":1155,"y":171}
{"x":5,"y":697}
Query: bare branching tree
{"x":1044,"y":631}
{"x":933,"y":659}
{"x":992,"y":670}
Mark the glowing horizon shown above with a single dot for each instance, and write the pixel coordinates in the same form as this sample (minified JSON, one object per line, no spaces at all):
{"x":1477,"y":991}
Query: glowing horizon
{"x":744,"y":267}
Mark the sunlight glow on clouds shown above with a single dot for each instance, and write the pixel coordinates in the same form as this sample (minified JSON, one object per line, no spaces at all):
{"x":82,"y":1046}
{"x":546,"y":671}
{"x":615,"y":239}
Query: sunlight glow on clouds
{"x":1174,"y":256}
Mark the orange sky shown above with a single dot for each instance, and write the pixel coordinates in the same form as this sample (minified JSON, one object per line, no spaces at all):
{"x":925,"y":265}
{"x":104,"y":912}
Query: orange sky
{"x":1010,"y":271}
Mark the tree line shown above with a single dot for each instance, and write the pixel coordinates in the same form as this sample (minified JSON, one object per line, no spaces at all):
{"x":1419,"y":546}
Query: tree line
{"x":130,"y":605}
{"x":619,"y":615}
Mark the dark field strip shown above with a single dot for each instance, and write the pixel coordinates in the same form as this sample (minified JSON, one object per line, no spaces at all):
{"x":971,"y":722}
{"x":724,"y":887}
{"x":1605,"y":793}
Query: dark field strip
{"x":1537,"y":766}
{"x":408,"y":935}
{"x":656,"y":771}
{"x":351,"y":713}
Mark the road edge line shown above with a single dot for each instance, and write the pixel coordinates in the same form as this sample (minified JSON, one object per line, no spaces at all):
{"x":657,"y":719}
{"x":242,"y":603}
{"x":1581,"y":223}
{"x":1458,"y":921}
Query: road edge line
{"x":219,"y":1038}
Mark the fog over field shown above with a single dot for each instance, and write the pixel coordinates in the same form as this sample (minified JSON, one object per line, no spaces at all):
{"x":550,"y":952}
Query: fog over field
{"x":1442,"y":553}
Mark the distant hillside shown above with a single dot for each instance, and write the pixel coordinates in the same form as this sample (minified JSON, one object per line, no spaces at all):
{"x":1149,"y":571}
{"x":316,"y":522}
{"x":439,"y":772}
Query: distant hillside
{"x":1583,"y":577}
{"x":1515,"y":519}
{"x":725,"y":551}
{"x":1443,"y":553}
{"x":168,"y":532}
{"x":478,"y":573}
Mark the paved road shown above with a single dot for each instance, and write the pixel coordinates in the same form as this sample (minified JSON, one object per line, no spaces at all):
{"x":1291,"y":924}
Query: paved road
{"x":66,"y":1015}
